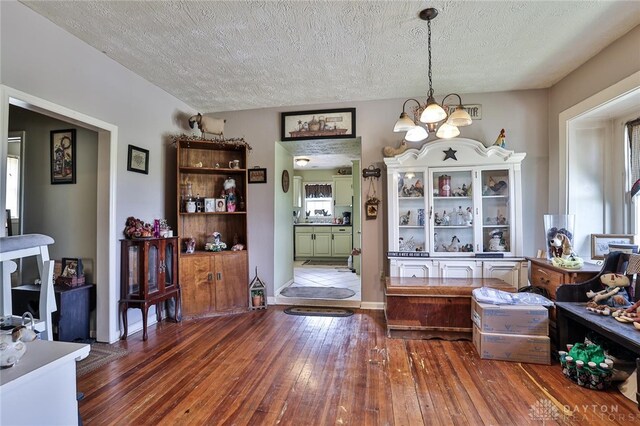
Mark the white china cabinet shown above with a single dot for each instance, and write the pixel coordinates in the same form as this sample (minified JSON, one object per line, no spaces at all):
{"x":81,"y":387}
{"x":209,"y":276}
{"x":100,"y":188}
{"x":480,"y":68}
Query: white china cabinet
{"x":455,"y":211}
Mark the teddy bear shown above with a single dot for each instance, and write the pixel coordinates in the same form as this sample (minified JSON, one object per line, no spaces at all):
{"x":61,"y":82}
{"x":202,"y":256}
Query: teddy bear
{"x":613,"y":298}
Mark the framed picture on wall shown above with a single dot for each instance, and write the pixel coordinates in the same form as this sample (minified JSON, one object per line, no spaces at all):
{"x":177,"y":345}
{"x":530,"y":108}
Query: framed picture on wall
{"x":258,"y":175}
{"x":63,"y":156}
{"x":318,"y":124}
{"x":138,"y":160}
{"x":600,"y":243}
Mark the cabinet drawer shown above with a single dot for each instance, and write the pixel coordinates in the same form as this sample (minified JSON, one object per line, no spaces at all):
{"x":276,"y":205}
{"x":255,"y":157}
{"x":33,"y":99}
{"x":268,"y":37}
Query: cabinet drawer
{"x":547,"y":279}
{"x":322,"y":229}
{"x":338,"y":230}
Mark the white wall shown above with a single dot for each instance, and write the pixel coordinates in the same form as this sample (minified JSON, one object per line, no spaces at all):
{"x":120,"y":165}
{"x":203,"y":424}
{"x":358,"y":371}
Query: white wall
{"x":614,"y":63}
{"x":43,"y":60}
{"x":523,"y":114}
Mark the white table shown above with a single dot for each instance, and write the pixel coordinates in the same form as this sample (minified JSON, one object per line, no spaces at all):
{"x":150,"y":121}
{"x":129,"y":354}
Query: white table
{"x":41,"y":388}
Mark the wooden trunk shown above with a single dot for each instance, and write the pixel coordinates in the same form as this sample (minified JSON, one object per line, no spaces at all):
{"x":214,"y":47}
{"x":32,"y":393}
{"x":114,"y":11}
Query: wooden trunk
{"x":425,"y":308}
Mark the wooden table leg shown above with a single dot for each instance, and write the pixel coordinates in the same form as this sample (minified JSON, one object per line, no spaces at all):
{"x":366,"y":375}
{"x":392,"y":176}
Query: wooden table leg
{"x":145,"y":311}
{"x":123,"y":311}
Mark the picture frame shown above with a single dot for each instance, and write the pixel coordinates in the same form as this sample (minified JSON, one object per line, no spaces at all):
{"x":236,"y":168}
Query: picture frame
{"x":209,"y":205}
{"x":63,"y":156}
{"x":71,"y":266}
{"x":138,"y":160}
{"x":221,"y":205}
{"x":257,"y":175}
{"x":318,"y":124}
{"x":371,"y":210}
{"x":600,"y":243}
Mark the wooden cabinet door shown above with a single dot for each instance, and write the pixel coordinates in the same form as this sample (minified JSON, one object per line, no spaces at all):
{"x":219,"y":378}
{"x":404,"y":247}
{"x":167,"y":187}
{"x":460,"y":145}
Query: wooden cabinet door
{"x":304,"y":244}
{"x":322,"y":244}
{"x":341,"y":244}
{"x":342,"y":191}
{"x":231,"y":280}
{"x":197,"y":285}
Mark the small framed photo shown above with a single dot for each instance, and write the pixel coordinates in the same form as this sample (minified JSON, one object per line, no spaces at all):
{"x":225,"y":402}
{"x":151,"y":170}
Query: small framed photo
{"x":600,"y":244}
{"x":257,"y":175}
{"x":209,"y":205}
{"x":221,"y":205}
{"x":138,"y":160}
{"x":63,"y":156}
{"x":71,"y":267}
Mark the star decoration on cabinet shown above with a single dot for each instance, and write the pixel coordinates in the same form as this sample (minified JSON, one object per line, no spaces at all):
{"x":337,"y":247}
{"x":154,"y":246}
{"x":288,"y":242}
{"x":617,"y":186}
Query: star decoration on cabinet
{"x":450,"y":153}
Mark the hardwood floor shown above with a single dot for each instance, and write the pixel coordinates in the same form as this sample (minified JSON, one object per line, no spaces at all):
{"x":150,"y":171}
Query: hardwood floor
{"x":267,"y":367}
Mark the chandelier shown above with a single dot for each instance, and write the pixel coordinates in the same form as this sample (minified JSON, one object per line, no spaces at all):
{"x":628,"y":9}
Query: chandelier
{"x":436,"y":119}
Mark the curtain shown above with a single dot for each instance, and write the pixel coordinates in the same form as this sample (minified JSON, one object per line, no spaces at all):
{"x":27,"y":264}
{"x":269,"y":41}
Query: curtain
{"x":633,"y":128}
{"x":317,"y":190}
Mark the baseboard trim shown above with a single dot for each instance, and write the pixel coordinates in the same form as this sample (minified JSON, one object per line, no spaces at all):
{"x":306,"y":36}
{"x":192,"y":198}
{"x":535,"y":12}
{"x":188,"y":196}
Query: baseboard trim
{"x":374,"y":306}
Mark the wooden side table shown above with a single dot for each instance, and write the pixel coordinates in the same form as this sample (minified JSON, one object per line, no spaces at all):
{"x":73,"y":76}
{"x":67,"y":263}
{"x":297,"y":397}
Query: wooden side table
{"x":71,"y":320}
{"x":543,"y":274}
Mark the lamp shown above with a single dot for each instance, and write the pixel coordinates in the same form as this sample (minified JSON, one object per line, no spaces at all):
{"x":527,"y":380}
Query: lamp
{"x":302,"y":161}
{"x":433,"y":115}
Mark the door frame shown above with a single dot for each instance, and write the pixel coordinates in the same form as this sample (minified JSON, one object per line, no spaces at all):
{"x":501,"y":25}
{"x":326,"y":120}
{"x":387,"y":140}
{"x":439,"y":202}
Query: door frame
{"x":107,"y":326}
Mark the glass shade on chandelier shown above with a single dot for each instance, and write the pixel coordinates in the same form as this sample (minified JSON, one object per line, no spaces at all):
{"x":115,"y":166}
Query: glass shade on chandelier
{"x":404,"y":123}
{"x":447,"y":131}
{"x":433,"y":113}
{"x":416,"y":134}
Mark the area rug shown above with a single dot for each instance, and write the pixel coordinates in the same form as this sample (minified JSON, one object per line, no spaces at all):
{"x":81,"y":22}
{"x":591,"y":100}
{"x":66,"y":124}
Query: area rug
{"x":316,"y":262}
{"x":318,"y":292}
{"x":312,"y":311}
{"x":100,"y":355}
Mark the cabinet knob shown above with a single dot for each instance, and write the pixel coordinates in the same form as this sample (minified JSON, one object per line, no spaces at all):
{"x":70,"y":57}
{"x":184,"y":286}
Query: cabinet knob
{"x":219,"y":276}
{"x":210,"y":277}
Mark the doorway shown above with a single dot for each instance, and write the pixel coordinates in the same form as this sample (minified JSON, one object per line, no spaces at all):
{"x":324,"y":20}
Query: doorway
{"x":107,"y":328}
{"x":325,"y":201}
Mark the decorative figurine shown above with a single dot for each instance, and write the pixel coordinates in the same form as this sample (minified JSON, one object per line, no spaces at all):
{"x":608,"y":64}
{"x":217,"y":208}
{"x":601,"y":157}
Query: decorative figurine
{"x":501,"y":139}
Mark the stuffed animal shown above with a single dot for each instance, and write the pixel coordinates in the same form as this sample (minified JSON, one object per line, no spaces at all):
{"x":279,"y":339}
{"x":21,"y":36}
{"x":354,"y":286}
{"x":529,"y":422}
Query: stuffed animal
{"x":614,"y":296}
{"x":561,"y":246}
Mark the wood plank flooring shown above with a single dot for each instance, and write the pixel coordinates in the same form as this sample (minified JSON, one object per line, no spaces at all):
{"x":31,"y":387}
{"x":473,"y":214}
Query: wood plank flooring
{"x":268,"y":368}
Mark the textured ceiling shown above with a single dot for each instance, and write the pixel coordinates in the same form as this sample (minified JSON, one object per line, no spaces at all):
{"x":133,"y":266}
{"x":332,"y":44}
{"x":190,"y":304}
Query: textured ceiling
{"x":330,"y":154}
{"x":234,"y":55}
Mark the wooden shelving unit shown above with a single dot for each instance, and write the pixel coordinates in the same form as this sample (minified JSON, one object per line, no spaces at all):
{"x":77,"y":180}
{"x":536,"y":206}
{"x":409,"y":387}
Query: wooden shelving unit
{"x":212,"y":282}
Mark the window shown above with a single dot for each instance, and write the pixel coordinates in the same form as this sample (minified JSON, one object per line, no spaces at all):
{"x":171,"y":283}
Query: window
{"x":633,"y":152}
{"x":318,"y":199}
{"x":13,"y":186}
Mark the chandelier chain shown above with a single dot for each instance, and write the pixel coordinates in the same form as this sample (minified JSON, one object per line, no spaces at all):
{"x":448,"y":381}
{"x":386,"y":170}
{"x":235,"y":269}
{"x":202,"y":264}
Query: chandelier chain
{"x":429,"y":50}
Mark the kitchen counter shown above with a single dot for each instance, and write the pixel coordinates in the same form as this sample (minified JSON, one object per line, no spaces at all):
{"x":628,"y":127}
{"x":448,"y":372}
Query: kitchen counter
{"x":318,"y":224}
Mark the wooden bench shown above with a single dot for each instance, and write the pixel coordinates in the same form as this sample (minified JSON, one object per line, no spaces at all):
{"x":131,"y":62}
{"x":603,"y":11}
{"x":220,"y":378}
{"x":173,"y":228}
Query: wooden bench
{"x":573,"y":319}
{"x":426,"y":308}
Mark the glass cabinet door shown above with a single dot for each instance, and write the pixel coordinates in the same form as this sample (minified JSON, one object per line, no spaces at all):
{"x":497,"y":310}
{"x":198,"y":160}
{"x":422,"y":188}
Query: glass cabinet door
{"x":411,"y":211}
{"x":452,"y":212}
{"x":152,"y":268}
{"x":168,"y":264}
{"x":496,"y":211}
{"x":133,"y":274}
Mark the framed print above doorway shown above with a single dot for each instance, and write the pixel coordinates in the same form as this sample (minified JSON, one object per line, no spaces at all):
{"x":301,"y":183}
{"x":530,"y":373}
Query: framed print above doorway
{"x":318,"y":124}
